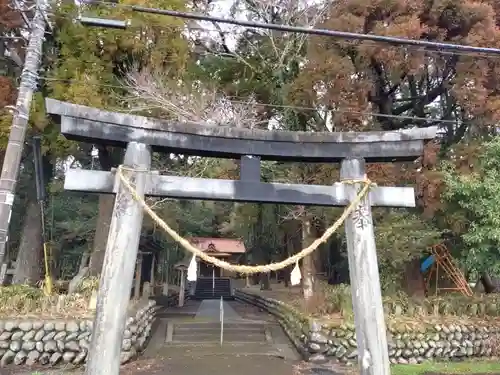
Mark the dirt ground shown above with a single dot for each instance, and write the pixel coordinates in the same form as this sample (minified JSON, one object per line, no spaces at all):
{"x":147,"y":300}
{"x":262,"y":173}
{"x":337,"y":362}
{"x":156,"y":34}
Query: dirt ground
{"x":196,"y":365}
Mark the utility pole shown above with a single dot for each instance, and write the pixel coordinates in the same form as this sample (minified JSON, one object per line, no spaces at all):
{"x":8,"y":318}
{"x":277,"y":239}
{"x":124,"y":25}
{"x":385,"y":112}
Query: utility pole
{"x":13,"y":153}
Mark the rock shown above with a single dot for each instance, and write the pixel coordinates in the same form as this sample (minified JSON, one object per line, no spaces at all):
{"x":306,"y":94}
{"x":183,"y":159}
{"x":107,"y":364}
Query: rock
{"x":60,"y":345}
{"x":125,"y":357}
{"x":80,"y":357}
{"x":28,"y":345}
{"x":20,"y":357}
{"x":72,"y":336}
{"x":72,"y":346}
{"x":318,"y":337}
{"x":407,"y":353}
{"x":32,"y":357}
{"x":5,"y":336}
{"x":25,"y":326}
{"x":55,"y":358}
{"x":315,"y":348}
{"x":60,"y":335}
{"x":83,"y":335}
{"x":4,"y":344}
{"x":49,"y":336}
{"x":49,"y":326}
{"x":37,"y":324}
{"x":39,"y":346}
{"x":84,"y":344}
{"x":29,"y":335}
{"x":68,"y":357}
{"x":127,"y":334}
{"x":44,"y":358}
{"x":83,"y":325}
{"x":60,"y":325}
{"x":7,"y":358}
{"x":90,"y":325}
{"x":126,"y":345}
{"x":10,"y":326}
{"x":314,"y":326}
{"x":50,"y":346}
{"x":18,"y":335}
{"x":353,"y":354}
{"x":15,"y":346}
{"x":39,"y":335}
{"x":72,"y":326}
{"x":318,"y":358}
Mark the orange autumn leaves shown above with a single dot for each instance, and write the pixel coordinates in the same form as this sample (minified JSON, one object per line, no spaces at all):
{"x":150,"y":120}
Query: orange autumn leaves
{"x":363,"y":76}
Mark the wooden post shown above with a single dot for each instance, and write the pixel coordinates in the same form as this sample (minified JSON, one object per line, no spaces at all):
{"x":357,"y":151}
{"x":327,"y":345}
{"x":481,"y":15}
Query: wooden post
{"x":152,"y":278}
{"x":165,"y":285}
{"x":371,"y":332}
{"x":138,"y":277}
{"x":307,"y":261}
{"x":182,"y":288}
{"x":118,"y":268}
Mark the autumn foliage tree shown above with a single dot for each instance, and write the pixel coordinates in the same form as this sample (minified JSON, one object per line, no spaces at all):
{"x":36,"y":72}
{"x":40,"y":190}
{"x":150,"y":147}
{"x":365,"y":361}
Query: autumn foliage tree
{"x":407,"y":86}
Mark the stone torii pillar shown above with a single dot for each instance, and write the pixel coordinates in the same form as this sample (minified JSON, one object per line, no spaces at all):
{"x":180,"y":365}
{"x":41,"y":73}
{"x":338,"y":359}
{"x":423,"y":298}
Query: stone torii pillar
{"x":371,"y":331}
{"x":115,"y":283}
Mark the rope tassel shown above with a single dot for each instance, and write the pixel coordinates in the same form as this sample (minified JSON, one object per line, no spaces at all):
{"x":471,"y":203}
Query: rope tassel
{"x":295,"y":275}
{"x":192,"y":269}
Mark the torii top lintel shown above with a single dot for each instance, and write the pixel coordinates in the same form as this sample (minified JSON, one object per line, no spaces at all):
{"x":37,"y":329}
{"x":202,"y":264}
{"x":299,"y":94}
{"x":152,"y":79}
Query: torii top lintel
{"x":98,"y":126}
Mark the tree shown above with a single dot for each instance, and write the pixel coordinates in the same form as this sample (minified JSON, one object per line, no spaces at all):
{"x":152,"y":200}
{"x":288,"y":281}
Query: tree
{"x":361,"y":76}
{"x":86,"y":66}
{"x":472,"y":200}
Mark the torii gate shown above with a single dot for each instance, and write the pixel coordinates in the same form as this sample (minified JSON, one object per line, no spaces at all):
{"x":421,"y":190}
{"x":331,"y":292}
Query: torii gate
{"x":141,"y":134}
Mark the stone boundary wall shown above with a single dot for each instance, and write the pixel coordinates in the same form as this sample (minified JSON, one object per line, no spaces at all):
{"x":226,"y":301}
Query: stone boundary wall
{"x":66,"y":341}
{"x":317,"y":342}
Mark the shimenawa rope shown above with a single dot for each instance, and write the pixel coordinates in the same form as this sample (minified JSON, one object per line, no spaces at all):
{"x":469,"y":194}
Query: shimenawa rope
{"x":245,"y":269}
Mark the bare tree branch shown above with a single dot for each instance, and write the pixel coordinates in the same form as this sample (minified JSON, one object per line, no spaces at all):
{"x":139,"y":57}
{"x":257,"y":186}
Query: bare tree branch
{"x":190,"y":103}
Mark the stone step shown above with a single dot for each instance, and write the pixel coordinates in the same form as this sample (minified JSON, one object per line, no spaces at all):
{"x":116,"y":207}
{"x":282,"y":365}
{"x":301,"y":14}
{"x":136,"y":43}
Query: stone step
{"x":216,"y":325}
{"x":211,"y":349}
{"x":198,"y":338}
{"x":206,"y":330}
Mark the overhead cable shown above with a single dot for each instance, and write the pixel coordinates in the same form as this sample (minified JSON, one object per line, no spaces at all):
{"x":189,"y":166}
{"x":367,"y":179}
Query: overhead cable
{"x":312,"y":31}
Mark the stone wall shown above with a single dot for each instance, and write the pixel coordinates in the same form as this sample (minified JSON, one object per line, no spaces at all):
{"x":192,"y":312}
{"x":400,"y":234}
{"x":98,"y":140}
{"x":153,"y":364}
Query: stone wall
{"x":319,"y":342}
{"x":50,"y":342}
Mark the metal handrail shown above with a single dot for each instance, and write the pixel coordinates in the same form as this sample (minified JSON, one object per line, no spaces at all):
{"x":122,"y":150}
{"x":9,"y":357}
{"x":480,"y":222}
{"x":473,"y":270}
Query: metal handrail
{"x":221,"y":316}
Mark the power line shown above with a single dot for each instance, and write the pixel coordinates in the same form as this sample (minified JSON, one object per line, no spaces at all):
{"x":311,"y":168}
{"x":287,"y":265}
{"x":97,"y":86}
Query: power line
{"x":310,"y":30}
{"x":282,"y":106}
{"x":236,"y":31}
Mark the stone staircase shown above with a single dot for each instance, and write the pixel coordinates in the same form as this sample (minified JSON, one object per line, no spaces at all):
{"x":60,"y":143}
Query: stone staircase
{"x":210,"y":333}
{"x":208,"y":288}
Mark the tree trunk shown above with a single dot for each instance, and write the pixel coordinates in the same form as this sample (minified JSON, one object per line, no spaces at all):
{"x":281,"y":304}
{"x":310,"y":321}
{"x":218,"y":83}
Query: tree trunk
{"x":29,"y":263}
{"x":106,"y":203}
{"x":265,"y":282}
{"x":489,"y":284}
{"x":109,"y":157}
{"x":414,"y":283}
{"x":307,"y":262}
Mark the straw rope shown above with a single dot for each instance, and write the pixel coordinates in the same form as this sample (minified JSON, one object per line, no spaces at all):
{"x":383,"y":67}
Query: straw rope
{"x":246,"y":269}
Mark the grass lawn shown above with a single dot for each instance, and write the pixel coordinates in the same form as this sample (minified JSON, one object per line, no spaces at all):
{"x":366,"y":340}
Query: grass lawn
{"x":470,"y":367}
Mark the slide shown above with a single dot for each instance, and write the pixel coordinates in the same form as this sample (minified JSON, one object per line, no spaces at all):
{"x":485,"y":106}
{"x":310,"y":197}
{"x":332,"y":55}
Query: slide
{"x":428,"y":262}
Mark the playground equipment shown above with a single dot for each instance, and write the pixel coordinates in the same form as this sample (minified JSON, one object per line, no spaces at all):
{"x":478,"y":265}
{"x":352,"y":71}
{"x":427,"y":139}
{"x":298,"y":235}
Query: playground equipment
{"x":441,"y":258}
